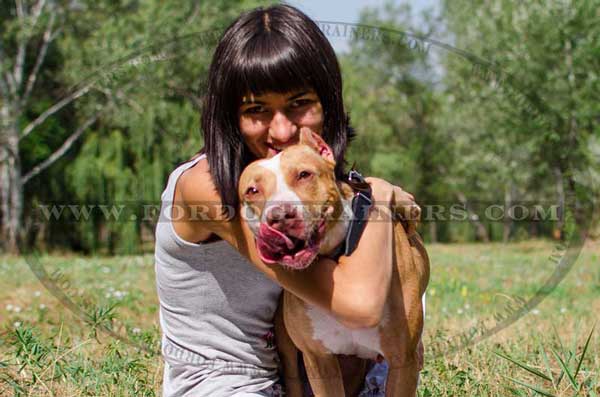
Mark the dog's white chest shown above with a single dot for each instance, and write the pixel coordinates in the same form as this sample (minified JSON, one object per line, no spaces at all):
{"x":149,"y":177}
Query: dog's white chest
{"x":365,"y":343}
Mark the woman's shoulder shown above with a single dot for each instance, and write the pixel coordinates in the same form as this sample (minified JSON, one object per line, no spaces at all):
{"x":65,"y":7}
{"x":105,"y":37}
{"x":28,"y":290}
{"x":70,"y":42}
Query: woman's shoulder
{"x":197,"y":191}
{"x":199,"y":172}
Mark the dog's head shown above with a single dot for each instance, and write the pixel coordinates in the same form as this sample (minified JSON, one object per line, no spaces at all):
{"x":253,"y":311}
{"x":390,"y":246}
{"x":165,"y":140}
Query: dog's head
{"x":292,"y":203}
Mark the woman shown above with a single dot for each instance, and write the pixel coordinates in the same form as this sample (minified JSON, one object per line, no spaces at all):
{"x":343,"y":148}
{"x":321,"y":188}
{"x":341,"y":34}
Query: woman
{"x":273,"y":72}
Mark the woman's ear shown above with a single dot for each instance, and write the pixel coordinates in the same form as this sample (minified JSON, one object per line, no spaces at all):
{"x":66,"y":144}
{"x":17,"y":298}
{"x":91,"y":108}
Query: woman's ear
{"x":316,"y":142}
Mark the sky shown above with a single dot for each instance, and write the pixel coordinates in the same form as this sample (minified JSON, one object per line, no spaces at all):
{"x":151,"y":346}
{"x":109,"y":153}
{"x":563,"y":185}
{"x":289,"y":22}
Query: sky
{"x":348,"y":11}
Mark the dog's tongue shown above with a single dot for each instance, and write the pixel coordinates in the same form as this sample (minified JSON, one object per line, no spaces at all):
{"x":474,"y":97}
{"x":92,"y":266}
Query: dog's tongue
{"x":273,"y":239}
{"x":275,"y":247}
{"x":301,"y":259}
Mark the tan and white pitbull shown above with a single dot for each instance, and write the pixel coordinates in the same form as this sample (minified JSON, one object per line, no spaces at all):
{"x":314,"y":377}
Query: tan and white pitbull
{"x":297,"y":210}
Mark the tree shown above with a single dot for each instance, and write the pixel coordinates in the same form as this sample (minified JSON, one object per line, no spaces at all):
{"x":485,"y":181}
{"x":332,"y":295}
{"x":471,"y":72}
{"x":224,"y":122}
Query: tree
{"x":29,"y":29}
{"x":157,"y":93}
{"x":530,"y":101}
{"x":131,"y":72}
{"x":392,"y":101}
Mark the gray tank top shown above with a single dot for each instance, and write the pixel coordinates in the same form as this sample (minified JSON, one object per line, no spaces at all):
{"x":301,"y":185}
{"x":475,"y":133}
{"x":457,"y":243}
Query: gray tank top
{"x":216,"y":313}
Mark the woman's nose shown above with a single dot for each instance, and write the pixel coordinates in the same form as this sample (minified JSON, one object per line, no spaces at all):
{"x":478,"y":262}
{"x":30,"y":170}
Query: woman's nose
{"x":282,"y":129}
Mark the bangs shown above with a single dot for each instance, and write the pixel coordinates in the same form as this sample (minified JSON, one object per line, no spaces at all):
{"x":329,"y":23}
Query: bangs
{"x":269,"y":63}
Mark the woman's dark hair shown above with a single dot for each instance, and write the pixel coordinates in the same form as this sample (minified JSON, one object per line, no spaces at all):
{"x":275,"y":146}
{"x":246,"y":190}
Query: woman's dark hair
{"x":277,"y":49}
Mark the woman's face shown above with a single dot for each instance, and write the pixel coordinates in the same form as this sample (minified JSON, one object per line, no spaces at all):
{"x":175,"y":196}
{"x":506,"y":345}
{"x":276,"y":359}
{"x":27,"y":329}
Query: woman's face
{"x":272,"y":121}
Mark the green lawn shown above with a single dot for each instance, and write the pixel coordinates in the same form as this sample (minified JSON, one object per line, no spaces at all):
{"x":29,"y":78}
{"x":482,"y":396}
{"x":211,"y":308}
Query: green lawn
{"x":47,"y":350}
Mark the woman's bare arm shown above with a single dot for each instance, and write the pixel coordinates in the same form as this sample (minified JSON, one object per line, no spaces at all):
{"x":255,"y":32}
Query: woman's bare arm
{"x":354,"y":289}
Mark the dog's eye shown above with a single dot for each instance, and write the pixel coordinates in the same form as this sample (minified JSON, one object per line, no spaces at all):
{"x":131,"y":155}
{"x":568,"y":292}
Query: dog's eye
{"x":304,"y":175}
{"x":251,"y":191}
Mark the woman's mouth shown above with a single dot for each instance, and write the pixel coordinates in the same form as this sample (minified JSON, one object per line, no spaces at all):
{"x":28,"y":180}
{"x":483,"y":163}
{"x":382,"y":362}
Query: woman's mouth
{"x":273,"y":149}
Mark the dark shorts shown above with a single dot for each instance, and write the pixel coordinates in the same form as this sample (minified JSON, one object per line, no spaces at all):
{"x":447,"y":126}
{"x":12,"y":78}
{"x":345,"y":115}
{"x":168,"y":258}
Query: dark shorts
{"x":373,"y":386}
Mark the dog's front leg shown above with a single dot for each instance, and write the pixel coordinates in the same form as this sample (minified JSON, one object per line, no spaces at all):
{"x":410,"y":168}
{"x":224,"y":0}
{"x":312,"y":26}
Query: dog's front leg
{"x":402,"y":380}
{"x":324,"y":374}
{"x":288,"y":354}
{"x":354,"y":371}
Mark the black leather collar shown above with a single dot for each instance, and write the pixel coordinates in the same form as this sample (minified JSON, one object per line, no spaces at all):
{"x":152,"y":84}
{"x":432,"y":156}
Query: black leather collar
{"x":361,"y":203}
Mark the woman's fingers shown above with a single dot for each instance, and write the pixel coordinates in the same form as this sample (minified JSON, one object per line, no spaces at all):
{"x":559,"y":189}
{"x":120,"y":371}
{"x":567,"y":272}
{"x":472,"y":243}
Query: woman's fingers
{"x":383,"y":191}
{"x":405,"y":207}
{"x":400,"y":201}
{"x":404,"y":202}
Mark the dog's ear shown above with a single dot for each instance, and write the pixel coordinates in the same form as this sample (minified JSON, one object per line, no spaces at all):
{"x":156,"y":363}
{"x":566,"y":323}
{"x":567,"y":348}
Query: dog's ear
{"x":316,"y":142}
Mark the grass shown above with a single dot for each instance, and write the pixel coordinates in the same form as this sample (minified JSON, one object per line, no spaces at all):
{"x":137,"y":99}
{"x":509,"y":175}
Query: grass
{"x":48,"y":350}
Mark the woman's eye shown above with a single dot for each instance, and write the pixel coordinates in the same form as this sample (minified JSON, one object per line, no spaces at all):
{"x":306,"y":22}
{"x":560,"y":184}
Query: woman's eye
{"x":299,"y":103}
{"x":251,"y":191}
{"x":255,"y":109}
{"x":304,"y":175}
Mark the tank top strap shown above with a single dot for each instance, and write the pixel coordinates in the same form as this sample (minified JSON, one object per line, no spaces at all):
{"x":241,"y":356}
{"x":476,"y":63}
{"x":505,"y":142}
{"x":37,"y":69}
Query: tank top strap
{"x":169,"y":191}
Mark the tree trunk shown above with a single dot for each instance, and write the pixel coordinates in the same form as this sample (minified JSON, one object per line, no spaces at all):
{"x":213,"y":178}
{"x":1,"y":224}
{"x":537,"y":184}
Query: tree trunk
{"x":4,"y":177}
{"x":534,"y":228}
{"x":481,"y":232}
{"x":16,"y":195}
{"x":560,"y":193}
{"x":433,"y":238}
{"x":508,"y":220}
{"x":4,"y":195}
{"x":11,"y":186}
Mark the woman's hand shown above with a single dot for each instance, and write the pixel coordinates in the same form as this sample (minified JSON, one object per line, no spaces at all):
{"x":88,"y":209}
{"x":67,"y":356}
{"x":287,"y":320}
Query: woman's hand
{"x":399,"y":201}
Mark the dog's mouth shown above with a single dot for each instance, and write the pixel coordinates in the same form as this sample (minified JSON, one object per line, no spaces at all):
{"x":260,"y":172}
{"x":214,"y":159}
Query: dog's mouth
{"x":276,"y":247}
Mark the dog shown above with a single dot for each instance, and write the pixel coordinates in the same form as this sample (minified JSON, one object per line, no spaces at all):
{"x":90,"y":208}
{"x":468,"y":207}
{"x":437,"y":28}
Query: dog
{"x":297,"y":210}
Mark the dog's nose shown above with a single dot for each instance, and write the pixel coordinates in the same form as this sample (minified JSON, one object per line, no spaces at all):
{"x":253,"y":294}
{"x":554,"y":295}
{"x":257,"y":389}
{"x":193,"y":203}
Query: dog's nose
{"x":281,"y":216}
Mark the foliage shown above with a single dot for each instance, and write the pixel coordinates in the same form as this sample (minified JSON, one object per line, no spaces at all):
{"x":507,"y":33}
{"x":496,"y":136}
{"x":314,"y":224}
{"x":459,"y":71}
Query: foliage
{"x":507,"y":118}
{"x":527,"y":99}
{"x":393,"y":102}
{"x":512,"y":119}
{"x":142,"y":66}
